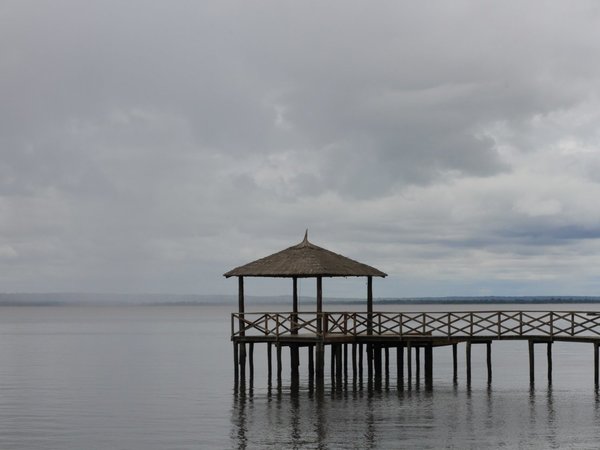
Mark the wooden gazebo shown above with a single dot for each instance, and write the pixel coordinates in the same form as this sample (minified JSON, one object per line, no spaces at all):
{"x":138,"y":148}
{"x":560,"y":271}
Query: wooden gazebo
{"x":304,"y":260}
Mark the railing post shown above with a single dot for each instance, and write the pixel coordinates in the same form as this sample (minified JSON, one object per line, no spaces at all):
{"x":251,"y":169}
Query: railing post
{"x":551,"y":324}
{"x":401,"y":320}
{"x":266,"y":324}
{"x":471,"y":327}
{"x":499,"y":322}
{"x":277,"y":325}
{"x":520,"y":323}
{"x":423,"y":321}
{"x":449,"y":325}
{"x":325,"y":318}
{"x":232,"y":325}
{"x":572,"y":324}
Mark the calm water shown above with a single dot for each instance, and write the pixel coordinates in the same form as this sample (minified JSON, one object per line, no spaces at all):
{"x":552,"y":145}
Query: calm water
{"x":161,"y":378}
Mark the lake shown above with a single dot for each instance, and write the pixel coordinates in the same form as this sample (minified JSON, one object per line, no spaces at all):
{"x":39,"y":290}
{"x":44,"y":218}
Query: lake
{"x":161,"y":377}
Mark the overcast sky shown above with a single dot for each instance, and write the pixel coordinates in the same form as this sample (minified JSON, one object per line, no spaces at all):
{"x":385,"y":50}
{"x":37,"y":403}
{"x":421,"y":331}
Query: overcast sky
{"x":149,"y":147}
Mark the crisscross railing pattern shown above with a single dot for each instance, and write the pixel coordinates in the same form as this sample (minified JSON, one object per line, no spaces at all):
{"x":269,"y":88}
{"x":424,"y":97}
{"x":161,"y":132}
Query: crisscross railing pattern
{"x":489,"y":324}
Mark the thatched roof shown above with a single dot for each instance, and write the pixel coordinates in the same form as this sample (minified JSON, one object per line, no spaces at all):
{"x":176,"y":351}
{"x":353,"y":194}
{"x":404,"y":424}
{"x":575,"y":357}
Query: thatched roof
{"x":305,"y":260}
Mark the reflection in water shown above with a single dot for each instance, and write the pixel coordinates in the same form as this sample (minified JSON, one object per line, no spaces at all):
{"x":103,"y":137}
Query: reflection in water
{"x":447,"y":417}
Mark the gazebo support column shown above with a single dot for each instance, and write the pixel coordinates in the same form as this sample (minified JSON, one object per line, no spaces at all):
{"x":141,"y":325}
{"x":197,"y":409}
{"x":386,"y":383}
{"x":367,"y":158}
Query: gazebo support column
{"x":370,"y":350}
{"x":294,"y":350}
{"x":370,"y":305}
{"x":320,"y":348}
{"x":242,"y":352}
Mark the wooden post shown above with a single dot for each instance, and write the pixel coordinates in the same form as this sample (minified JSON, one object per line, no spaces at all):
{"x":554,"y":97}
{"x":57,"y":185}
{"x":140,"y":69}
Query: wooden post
{"x":387,"y":363}
{"x":409,"y":360}
{"x":596,"y":377}
{"x":429,"y":366}
{"x":319,"y":304}
{"x":269,"y":363}
{"x":377,"y":361}
{"x":345,"y":364}
{"x":311,"y":364}
{"x":251,"y":361}
{"x":468,"y":350}
{"x":294,"y":361}
{"x":332,"y":363}
{"x":418,"y":363}
{"x":369,"y":305}
{"x":236,"y":373}
{"x":241,"y":305}
{"x":242,"y":361}
{"x":338,"y":365}
{"x":360,"y":363}
{"x":549,"y":358}
{"x":400,"y":364}
{"x":242,"y":333}
{"x":320,"y":356}
{"x":531,"y":363}
{"x":489,"y":360}
{"x":455,"y":362}
{"x":369,"y":363}
{"x":295,"y":305}
{"x":354,"y":362}
{"x":278,"y":365}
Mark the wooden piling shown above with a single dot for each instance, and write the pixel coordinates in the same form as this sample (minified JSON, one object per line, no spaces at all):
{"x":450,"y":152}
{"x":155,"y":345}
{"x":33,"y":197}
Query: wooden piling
{"x":311,"y":364}
{"x":377,"y":361}
{"x":409,"y":361}
{"x":489,"y":360}
{"x":400,"y":365}
{"x":369,"y":363}
{"x":596,"y":375}
{"x":418,"y":363}
{"x":269,"y":363}
{"x":251,"y":361}
{"x":468,"y":358}
{"x":278,"y":364}
{"x":549,"y":359}
{"x":339,"y":372}
{"x":332,"y":363}
{"x":345,"y":364}
{"x":387,"y":366}
{"x":428,"y":366}
{"x":236,"y":372}
{"x":242,"y":352}
{"x":455,"y":362}
{"x":320,"y":360}
{"x":531,"y":363}
{"x":360,"y":364}
{"x":354,"y":362}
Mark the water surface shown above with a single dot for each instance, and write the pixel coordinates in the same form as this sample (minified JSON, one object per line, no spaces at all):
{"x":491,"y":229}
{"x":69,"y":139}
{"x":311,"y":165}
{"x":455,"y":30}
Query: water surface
{"x":161,"y":378}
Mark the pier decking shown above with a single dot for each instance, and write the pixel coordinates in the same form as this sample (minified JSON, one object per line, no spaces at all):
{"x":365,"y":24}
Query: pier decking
{"x":375,"y":333}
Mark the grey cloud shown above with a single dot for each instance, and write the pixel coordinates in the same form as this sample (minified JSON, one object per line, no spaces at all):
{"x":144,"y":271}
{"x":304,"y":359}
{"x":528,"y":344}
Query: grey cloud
{"x":140,"y":140}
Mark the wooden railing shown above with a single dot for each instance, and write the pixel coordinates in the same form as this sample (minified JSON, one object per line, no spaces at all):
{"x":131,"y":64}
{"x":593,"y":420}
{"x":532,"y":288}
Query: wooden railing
{"x":485,"y":324}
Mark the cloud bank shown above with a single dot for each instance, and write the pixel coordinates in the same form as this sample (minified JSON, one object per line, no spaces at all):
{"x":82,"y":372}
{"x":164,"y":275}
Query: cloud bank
{"x":152,"y":147}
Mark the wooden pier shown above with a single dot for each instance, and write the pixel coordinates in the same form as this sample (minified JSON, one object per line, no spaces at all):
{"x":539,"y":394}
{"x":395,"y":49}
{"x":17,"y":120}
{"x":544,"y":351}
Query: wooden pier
{"x":353,"y":337}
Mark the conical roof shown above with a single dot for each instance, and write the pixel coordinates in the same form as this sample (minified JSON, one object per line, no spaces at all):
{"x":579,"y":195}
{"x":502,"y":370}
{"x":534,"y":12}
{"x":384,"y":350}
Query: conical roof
{"x":305,"y":260}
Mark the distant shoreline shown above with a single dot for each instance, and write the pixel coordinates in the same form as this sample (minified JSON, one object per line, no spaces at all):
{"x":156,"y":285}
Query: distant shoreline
{"x":84,"y":299}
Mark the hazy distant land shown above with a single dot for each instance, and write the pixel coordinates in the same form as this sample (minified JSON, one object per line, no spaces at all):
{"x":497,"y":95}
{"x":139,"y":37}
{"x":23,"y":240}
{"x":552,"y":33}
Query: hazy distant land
{"x":58,"y":299}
